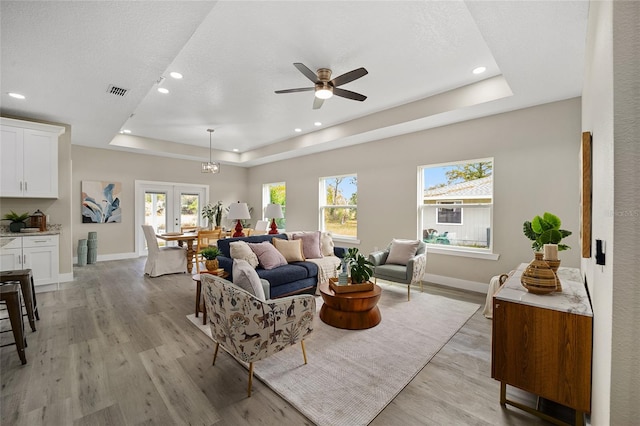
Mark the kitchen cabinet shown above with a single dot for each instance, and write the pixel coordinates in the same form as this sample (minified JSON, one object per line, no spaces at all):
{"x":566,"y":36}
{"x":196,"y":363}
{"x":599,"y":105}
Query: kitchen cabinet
{"x":543,"y":343}
{"x":39,"y":253}
{"x":28,"y":159}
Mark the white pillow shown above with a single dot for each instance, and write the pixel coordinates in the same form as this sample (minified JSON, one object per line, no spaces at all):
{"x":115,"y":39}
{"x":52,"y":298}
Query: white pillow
{"x":241,"y":250}
{"x":326,"y":244}
{"x":246,"y":277}
{"x":401,"y":251}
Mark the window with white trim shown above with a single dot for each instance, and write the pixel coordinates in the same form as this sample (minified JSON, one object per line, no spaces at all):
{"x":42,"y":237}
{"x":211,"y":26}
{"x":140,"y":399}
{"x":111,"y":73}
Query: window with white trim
{"x":275,"y":193}
{"x":466,"y":188}
{"x":339,"y":205}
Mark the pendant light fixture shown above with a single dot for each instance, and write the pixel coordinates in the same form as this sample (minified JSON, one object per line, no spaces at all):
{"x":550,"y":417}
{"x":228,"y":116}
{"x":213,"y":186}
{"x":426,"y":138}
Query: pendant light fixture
{"x":211,"y":166}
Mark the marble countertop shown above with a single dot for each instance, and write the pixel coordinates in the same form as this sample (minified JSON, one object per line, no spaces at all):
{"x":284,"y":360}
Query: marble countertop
{"x":572,"y":299}
{"x":51,"y":230}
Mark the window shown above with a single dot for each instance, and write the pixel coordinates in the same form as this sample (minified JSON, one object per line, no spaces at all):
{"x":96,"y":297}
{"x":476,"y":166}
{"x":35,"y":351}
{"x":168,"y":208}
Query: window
{"x":466,"y":189}
{"x":339,"y":205}
{"x":275,"y":193}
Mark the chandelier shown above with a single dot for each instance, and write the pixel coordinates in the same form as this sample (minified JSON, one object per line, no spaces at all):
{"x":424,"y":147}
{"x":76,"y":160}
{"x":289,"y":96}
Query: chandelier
{"x":210,"y":166}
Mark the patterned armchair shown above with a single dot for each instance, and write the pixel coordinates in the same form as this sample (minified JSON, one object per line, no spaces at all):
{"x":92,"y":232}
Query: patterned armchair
{"x":409,"y":274}
{"x":251,"y":329}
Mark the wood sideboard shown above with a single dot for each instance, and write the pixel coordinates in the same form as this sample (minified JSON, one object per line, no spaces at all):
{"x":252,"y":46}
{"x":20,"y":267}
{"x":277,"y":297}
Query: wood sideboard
{"x":542,"y":344}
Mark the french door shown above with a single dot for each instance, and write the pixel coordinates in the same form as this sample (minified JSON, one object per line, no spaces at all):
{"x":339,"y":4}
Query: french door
{"x":167,"y":207}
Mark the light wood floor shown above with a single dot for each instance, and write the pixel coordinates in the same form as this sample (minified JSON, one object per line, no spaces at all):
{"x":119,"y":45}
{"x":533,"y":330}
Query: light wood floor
{"x":115,"y":348}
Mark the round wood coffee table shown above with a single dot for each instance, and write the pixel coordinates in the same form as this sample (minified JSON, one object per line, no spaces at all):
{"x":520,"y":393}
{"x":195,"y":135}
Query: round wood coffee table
{"x":352,"y":311}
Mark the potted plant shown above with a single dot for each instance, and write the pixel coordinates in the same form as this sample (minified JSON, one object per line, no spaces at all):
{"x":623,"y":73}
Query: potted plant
{"x":210,"y":255}
{"x":545,"y":230}
{"x":359,"y":266}
{"x":17,"y":220}
{"x":211,"y":212}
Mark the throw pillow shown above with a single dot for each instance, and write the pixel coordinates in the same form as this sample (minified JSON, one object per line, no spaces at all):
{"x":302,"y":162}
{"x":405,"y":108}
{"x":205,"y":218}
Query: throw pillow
{"x":291,"y":250}
{"x":241,"y":250}
{"x":401,"y":251}
{"x":246,"y":277}
{"x":268,"y":256}
{"x":326,"y":244}
{"x":310,"y":244}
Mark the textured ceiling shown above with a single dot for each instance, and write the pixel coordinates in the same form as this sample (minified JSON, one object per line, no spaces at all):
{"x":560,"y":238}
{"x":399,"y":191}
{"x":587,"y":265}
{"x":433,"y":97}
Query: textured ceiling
{"x":234,"y":55}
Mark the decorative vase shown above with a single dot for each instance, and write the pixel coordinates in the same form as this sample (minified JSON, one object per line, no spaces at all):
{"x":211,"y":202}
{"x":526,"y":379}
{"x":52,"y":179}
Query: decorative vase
{"x":211,"y":265}
{"x":17,"y":226}
{"x":538,"y":277}
{"x":554,"y":265}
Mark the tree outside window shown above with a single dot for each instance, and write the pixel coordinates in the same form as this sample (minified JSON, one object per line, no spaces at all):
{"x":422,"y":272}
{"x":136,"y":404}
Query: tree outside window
{"x":466,"y":185}
{"x":275,"y":193}
{"x":339,"y":205}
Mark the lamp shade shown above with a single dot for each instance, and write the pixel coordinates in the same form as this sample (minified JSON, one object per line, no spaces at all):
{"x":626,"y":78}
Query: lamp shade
{"x":273,"y":211}
{"x":239,"y":211}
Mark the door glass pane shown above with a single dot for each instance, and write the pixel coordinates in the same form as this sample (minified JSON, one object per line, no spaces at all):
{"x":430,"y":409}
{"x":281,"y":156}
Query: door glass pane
{"x":155,"y":212}
{"x":189,"y":208}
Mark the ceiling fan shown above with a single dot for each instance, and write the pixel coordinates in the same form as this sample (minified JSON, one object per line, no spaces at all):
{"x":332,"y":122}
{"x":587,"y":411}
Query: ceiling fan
{"x":325,"y":87}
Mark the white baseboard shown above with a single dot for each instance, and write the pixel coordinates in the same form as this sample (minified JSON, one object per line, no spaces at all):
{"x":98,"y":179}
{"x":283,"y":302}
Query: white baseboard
{"x":475,"y":286}
{"x":113,"y":256}
{"x":65,"y":278}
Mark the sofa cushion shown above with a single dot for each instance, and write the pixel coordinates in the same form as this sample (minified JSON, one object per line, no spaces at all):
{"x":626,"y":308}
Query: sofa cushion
{"x":241,"y":250}
{"x":401,"y":251}
{"x":268,"y":256}
{"x":283,"y":274}
{"x":326,"y":244}
{"x":223,"y":244}
{"x":291,"y":250}
{"x":310,"y":244}
{"x":246,"y":277}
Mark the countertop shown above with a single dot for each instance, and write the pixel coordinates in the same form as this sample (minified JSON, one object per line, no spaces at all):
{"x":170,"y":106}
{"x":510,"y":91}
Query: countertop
{"x":51,"y":230}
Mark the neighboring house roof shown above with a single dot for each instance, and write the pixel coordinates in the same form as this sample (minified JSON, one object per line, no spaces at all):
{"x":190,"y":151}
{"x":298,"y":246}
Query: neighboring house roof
{"x":479,"y":188}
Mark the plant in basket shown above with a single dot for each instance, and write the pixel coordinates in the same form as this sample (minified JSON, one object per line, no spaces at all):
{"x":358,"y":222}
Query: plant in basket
{"x":210,"y":255}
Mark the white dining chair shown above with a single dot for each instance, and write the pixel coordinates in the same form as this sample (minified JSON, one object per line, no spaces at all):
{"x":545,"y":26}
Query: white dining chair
{"x":165,"y":260}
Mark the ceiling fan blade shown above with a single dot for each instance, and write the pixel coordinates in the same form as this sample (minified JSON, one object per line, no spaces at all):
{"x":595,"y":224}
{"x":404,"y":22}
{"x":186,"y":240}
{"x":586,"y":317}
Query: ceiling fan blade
{"x":301,"y":89}
{"x":349,"y":77}
{"x":317,"y":102}
{"x":348,"y":94}
{"x":306,"y":71}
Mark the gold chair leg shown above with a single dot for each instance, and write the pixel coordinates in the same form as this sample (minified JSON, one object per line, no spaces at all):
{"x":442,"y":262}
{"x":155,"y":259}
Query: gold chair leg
{"x":304,"y":352}
{"x":215,"y":354}
{"x":250,"y":379}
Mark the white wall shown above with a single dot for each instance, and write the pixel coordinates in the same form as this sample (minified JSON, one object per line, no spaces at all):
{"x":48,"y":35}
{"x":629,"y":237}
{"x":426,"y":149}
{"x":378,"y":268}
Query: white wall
{"x":118,"y":239}
{"x":535,"y":153}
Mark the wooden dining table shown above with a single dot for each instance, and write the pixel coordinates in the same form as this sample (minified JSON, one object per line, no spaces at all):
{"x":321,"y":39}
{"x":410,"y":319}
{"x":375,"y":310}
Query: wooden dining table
{"x":188,"y":239}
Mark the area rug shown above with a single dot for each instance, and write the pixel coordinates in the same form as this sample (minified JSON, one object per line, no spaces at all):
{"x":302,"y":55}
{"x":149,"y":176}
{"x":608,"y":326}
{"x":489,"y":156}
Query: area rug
{"x":351,"y":376}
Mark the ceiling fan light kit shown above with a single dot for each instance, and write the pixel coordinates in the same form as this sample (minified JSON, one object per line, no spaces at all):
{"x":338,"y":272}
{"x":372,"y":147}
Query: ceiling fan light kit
{"x":325,"y":87}
{"x":210,"y":166}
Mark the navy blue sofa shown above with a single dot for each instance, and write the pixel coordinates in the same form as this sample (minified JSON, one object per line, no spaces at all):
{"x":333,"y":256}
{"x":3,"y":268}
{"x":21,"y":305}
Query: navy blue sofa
{"x":285,"y":280}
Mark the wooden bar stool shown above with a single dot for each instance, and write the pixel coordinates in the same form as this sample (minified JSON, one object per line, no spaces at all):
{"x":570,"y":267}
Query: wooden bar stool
{"x":25,"y":278}
{"x":10,"y":295}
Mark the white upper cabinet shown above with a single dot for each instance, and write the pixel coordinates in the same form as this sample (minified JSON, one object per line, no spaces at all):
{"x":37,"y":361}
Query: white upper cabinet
{"x":28,"y":159}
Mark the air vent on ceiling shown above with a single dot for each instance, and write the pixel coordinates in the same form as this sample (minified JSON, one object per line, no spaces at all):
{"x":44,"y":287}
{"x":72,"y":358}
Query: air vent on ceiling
{"x":118,"y":91}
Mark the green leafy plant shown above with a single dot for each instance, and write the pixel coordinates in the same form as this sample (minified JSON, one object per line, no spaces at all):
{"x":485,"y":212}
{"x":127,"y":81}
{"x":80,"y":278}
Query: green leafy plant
{"x":210,"y":253}
{"x":15,"y":217}
{"x":545,"y":230}
{"x":359,"y":266}
{"x":211,"y":211}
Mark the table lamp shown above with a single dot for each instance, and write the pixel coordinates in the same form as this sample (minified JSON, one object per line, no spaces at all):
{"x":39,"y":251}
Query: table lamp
{"x":239,"y":211}
{"x":274,"y":211}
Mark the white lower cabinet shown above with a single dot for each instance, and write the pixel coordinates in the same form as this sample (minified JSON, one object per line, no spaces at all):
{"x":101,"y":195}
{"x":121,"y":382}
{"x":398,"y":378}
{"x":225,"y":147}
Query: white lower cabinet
{"x":38,"y":253}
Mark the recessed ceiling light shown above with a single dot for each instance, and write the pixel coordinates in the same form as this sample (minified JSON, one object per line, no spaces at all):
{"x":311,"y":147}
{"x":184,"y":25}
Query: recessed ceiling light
{"x":16,"y":95}
{"x":297,"y":130}
{"x":127,"y":131}
{"x":236,"y":150}
{"x":317,"y":123}
{"x":479,"y":70}
{"x":163,"y":90}
{"x":175,"y":75}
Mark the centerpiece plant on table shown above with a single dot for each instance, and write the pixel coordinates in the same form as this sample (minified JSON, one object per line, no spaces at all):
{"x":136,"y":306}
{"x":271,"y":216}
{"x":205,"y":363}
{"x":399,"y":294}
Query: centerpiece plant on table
{"x":211,"y":212}
{"x":360,"y":267}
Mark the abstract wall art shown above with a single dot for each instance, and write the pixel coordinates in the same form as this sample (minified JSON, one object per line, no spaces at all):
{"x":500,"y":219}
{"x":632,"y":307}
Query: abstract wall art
{"x":101,"y":201}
